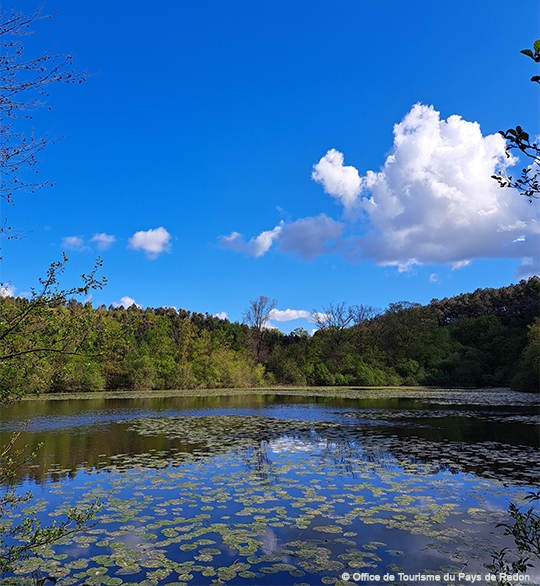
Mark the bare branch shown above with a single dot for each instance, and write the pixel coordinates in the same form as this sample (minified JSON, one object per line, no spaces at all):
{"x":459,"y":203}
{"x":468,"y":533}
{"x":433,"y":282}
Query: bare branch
{"x":23,"y":90}
{"x":258,"y":312}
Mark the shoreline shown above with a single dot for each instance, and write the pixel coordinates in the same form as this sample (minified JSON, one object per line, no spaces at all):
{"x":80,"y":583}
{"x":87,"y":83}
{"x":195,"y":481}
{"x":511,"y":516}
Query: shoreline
{"x":484,"y":396}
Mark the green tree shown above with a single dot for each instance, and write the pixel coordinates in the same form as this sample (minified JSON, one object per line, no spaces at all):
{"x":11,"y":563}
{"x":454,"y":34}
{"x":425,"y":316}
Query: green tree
{"x":405,"y":334}
{"x":334,"y":333}
{"x":528,"y":376}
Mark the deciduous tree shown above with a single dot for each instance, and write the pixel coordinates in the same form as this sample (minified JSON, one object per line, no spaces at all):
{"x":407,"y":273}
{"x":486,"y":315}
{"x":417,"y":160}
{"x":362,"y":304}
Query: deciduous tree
{"x":256,"y":317}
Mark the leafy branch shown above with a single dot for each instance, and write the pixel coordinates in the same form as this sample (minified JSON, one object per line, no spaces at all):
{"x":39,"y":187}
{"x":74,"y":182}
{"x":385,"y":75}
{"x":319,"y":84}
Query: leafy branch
{"x":50,"y":295}
{"x":526,"y":533}
{"x":528,"y":184}
{"x":33,"y":536}
{"x":45,"y":317}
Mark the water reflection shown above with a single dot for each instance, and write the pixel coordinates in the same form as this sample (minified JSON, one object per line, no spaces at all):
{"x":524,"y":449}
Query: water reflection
{"x":248,"y":491}
{"x":489,"y":443}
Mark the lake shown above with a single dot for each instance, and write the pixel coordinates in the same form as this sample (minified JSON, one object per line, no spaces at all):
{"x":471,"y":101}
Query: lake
{"x":315,"y":486}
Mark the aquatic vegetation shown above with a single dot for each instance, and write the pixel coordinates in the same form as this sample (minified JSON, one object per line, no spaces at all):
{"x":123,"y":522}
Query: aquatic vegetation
{"x":264,"y":498}
{"x":446,"y":396}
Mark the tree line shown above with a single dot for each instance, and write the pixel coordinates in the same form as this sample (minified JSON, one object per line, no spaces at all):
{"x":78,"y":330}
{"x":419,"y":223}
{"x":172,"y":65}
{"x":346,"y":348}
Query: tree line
{"x":487,"y":338}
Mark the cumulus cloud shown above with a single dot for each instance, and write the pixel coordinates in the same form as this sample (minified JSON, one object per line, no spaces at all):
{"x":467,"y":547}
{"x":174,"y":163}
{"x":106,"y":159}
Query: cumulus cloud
{"x":433,"y":201}
{"x":282,"y":315}
{"x":257,"y":246}
{"x":7,"y":290}
{"x":125,"y":302}
{"x":339,"y":181}
{"x":73,"y":243}
{"x":221,"y":315}
{"x":308,"y":237}
{"x":103,"y":241}
{"x":153,"y":242}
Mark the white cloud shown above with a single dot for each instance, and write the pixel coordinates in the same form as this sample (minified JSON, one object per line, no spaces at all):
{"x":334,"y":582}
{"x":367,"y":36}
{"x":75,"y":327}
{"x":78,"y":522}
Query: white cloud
{"x":221,"y":315}
{"x":125,"y":302}
{"x":433,"y":278}
{"x":104,"y":241}
{"x":308,"y":237}
{"x":7,"y":290}
{"x":338,"y":180}
{"x":434,"y":200}
{"x":460,"y":264}
{"x":153,"y":242}
{"x":405,"y":266}
{"x":257,"y":246}
{"x":73,"y":243}
{"x":282,"y":315}
{"x":318,"y":316}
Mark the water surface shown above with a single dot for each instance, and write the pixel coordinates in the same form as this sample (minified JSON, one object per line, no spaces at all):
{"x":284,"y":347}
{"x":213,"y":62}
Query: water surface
{"x":278,"y":488}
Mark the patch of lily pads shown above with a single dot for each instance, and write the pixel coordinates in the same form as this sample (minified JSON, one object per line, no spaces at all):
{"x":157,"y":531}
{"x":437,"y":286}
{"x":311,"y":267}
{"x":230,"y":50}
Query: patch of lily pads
{"x":263,"y":500}
{"x":447,"y":396}
{"x":337,"y":443}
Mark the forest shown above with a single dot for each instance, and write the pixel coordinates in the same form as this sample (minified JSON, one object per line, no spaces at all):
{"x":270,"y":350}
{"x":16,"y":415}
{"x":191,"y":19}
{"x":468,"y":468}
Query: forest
{"x":488,"y":338}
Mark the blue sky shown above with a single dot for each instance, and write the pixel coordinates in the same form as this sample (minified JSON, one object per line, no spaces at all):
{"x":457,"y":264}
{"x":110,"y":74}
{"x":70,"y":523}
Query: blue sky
{"x":310,"y":151}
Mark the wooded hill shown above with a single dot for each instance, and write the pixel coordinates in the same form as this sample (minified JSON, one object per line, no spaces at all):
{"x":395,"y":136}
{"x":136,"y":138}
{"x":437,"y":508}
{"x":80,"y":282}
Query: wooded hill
{"x":487,"y":338}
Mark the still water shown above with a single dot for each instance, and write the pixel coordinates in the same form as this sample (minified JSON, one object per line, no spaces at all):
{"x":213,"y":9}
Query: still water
{"x":280,"y":487}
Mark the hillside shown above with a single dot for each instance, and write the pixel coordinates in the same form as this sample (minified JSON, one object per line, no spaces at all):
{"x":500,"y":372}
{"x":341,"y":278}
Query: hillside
{"x":490,"y":337}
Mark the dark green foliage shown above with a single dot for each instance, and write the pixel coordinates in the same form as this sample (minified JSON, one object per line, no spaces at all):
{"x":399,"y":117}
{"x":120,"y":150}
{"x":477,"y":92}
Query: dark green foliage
{"x":367,"y":375}
{"x":534,"y":54}
{"x":527,"y":378}
{"x":131,"y":349}
{"x":515,"y":305}
{"x":487,"y":338}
